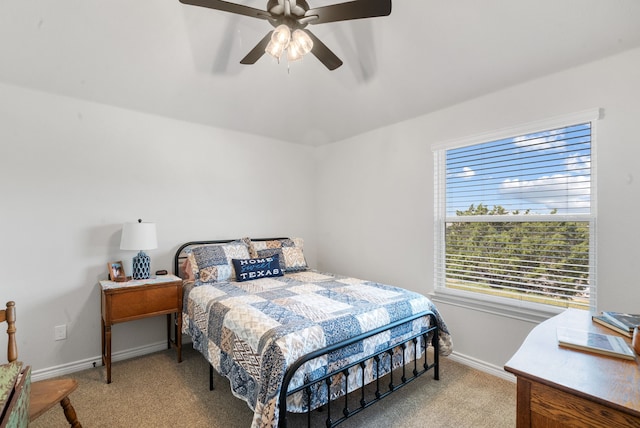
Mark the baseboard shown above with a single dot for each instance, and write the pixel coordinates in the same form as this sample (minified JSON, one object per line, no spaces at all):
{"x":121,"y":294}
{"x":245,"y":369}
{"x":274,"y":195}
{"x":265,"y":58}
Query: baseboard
{"x":482,"y":366}
{"x":88,"y":363}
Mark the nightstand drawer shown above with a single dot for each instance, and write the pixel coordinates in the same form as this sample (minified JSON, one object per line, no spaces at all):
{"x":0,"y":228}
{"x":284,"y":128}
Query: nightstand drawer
{"x":142,"y":303}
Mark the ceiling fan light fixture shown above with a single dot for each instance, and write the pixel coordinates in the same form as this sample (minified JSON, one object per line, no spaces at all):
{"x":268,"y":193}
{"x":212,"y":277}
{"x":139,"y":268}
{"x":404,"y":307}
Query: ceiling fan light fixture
{"x":302,"y":42}
{"x":282,"y":35}
{"x":280,"y":40}
{"x":293,"y":54}
{"x":300,"y":45}
{"x":275,"y":49}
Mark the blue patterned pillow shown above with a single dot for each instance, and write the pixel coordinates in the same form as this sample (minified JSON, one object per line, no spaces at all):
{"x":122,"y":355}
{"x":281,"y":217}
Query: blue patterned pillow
{"x":272,"y":252}
{"x":264,"y":267}
{"x":212,"y":263}
{"x":290,"y":250}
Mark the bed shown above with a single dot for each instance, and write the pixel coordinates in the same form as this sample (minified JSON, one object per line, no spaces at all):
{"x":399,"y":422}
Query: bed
{"x":293,"y":339}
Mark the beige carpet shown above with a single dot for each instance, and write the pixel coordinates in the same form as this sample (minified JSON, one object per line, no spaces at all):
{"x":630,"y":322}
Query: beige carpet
{"x":156,"y":391}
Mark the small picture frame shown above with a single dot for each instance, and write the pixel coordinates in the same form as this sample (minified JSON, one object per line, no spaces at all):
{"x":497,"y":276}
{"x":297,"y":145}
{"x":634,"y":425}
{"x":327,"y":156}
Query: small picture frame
{"x":116,"y":271}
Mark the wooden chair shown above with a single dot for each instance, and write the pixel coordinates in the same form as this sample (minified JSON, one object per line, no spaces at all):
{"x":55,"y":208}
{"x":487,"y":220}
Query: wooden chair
{"x":45,"y":393}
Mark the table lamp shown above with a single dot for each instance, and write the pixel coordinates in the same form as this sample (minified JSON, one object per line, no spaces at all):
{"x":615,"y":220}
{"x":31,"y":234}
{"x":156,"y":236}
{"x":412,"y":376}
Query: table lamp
{"x":139,"y":236}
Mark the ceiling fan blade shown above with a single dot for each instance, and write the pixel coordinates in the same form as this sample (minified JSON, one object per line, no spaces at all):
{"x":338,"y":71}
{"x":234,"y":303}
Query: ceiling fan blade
{"x":323,"y":53}
{"x":357,"y":9}
{"x":256,"y":53}
{"x":229,"y":7}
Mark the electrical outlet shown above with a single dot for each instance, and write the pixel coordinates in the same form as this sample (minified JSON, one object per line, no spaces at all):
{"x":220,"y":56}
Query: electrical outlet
{"x":60,"y":332}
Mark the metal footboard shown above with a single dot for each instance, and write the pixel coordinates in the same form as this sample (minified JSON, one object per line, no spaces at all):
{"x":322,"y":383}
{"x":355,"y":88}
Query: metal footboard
{"x":419,"y":368}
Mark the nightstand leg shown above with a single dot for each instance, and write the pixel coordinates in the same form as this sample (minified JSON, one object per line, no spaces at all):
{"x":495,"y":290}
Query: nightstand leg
{"x":179,"y":335}
{"x":107,"y":354}
{"x":102,"y":337}
{"x":168,"y":331}
{"x":176,"y":339}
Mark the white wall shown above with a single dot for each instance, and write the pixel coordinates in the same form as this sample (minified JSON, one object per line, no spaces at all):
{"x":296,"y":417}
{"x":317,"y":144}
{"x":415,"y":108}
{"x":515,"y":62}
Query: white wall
{"x":71,"y":172}
{"x":375,"y":193}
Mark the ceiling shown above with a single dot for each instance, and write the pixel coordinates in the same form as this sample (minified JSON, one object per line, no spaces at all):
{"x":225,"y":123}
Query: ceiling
{"x":179,"y":61}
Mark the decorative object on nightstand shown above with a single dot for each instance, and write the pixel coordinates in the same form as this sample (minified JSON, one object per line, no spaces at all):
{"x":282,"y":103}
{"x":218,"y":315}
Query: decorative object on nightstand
{"x":116,"y":272}
{"x":139,"y":236}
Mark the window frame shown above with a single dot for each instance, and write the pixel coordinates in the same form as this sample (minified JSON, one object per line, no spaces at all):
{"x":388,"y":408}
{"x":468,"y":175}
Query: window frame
{"x":512,"y":308}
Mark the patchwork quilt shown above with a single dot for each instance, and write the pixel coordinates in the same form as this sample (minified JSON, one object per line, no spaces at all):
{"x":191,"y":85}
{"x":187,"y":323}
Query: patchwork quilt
{"x":252,"y":331}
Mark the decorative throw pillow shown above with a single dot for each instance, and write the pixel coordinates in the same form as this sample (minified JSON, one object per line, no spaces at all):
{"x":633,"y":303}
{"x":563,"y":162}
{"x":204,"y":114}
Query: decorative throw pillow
{"x":264,"y":267}
{"x":294,"y":259}
{"x":272,"y":252}
{"x":290,"y":251}
{"x":186,"y":272}
{"x":212,"y":263}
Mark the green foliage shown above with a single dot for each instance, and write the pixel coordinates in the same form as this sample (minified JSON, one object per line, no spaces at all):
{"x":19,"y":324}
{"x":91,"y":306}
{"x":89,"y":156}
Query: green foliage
{"x":547,"y":258}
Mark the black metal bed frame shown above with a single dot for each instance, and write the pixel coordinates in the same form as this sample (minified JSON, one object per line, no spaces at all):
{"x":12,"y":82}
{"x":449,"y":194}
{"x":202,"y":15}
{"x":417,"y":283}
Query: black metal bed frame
{"x":380,"y":391}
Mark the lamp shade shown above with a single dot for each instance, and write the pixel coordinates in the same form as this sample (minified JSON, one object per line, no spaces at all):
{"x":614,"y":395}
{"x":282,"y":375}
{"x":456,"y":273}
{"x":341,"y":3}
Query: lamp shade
{"x":139,"y":236}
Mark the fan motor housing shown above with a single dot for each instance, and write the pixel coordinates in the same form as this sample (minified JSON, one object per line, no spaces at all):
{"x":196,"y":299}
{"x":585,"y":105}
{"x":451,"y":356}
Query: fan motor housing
{"x":302,"y":3}
{"x":275,"y":8}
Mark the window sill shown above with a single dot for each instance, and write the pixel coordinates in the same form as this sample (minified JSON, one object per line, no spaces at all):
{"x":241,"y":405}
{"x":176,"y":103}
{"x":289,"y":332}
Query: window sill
{"x":509,"y":308}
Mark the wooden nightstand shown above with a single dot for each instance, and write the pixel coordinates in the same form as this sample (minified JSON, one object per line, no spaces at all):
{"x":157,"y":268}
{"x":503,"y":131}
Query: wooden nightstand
{"x":137,"y":299}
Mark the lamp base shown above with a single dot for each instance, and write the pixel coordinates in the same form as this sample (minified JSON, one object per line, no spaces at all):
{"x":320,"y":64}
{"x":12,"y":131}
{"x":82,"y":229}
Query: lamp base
{"x":141,"y":266}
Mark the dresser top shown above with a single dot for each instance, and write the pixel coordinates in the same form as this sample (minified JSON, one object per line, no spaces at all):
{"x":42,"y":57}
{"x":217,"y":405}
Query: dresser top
{"x":609,"y":380}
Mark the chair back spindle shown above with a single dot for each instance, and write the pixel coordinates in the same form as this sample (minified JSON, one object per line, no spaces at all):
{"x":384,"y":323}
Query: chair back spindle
{"x":9,"y":315}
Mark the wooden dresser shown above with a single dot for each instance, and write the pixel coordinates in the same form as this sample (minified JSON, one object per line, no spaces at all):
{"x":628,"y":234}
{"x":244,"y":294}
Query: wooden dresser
{"x":560,"y":387}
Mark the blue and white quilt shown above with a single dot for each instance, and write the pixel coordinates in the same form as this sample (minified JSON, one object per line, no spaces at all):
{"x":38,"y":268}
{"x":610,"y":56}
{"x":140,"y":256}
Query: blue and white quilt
{"x":252,"y":331}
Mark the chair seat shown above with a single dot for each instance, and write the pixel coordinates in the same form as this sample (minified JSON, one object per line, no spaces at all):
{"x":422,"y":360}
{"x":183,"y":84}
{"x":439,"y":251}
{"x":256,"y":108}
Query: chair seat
{"x":47,"y":393}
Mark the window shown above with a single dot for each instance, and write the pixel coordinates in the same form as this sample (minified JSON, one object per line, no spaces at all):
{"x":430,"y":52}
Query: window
{"x":515,"y":215}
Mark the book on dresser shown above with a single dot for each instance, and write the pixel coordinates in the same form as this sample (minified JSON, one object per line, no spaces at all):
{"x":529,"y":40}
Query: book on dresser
{"x":622,"y":320}
{"x":590,"y":341}
{"x":604,"y":321}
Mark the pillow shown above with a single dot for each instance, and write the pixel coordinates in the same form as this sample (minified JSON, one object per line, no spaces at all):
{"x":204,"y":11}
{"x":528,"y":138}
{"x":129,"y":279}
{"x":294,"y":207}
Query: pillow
{"x":289,"y":249}
{"x":212,"y":263}
{"x":186,"y":272}
{"x":271,"y":252}
{"x":265,"y":267}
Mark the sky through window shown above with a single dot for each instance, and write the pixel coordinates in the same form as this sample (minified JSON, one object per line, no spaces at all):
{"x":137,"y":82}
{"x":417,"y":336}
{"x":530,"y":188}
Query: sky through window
{"x":542,"y":173}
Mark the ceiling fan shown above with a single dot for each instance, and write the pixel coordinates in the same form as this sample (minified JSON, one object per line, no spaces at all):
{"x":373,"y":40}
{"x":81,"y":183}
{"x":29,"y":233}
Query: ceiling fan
{"x":290,"y":17}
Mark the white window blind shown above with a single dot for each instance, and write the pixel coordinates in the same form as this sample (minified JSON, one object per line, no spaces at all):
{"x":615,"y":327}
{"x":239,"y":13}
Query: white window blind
{"x":515,"y":216}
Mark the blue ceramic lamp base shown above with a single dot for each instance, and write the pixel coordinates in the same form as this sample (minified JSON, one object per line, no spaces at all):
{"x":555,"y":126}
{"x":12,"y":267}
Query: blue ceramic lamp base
{"x":141,"y":266}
